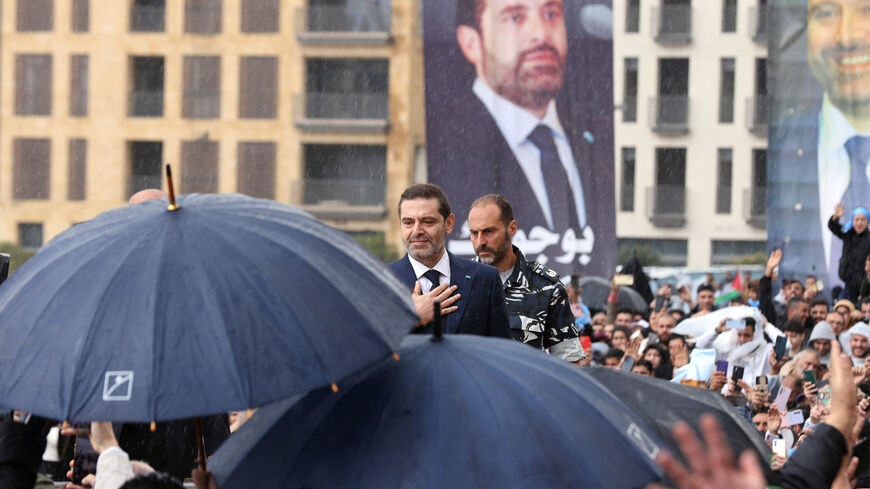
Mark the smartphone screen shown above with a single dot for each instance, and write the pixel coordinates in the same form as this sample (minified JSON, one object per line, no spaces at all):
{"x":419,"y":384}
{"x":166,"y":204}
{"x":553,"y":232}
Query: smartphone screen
{"x":735,"y":323}
{"x":761,"y":383}
{"x":737,"y":373}
{"x":779,"y":347}
{"x":810,"y":376}
{"x":85,"y":461}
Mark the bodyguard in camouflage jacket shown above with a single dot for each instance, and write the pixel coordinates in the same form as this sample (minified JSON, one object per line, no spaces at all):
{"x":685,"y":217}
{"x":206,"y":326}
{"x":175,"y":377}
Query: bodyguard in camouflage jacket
{"x":538,"y":309}
{"x":537,"y":302}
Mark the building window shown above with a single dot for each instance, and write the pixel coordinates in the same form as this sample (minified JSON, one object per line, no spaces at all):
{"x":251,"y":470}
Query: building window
{"x":256,"y":175}
{"x":148,"y":15}
{"x":146,"y":94}
{"x":80,"y":15}
{"x":33,"y":84}
{"x":78,"y":85}
{"x":632,"y":16}
{"x":667,"y":200}
{"x":671,"y":108}
{"x":202,"y":87}
{"x":202,"y":16}
{"x":35,"y":15}
{"x":339,"y":88}
{"x":667,"y":252}
{"x":729,"y":15}
{"x":258,"y":87}
{"x":345,"y":174}
{"x":729,"y":252}
{"x":723,"y":187}
{"x":32,"y":169}
{"x":347,"y":16}
{"x":726,"y":90}
{"x":674,"y":24}
{"x":259,"y":16}
{"x":77,"y":169}
{"x":199,"y":167}
{"x":758,"y":22}
{"x":626,"y":192}
{"x":629,"y":100}
{"x":145,"y":160}
{"x":757,"y":192}
{"x":30,"y":235}
{"x":757,"y":108}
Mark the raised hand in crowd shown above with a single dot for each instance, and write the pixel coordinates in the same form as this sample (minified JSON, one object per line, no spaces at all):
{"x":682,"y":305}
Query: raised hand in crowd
{"x":774,"y":419}
{"x":811,"y":391}
{"x":425,"y":303}
{"x":839,"y":210}
{"x":775,"y":363}
{"x":717,"y":381}
{"x":773,"y":262}
{"x":710,"y":467}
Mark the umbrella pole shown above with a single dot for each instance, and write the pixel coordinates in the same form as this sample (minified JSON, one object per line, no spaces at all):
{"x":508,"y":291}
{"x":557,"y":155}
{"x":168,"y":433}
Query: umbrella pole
{"x":171,"y":189}
{"x":200,"y":443}
{"x":437,"y":333}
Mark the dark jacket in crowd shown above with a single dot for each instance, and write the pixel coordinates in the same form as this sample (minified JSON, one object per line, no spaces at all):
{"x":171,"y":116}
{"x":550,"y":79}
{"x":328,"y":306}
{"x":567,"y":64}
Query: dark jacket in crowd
{"x":766,"y":305}
{"x":21,"y":448}
{"x":856,"y":247}
{"x":816,"y":462}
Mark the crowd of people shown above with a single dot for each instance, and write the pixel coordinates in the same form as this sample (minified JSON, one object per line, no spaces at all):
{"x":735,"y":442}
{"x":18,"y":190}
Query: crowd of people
{"x":793,"y":364}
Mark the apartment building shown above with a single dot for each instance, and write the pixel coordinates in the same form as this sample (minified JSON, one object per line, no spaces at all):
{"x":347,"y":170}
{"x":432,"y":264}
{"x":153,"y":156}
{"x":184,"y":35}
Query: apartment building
{"x":315,"y":103}
{"x":690,"y":85}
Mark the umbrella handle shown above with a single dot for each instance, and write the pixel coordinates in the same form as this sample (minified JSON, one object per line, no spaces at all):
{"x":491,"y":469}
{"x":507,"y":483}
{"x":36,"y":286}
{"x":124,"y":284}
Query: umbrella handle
{"x":200,"y":443}
{"x":171,"y":189}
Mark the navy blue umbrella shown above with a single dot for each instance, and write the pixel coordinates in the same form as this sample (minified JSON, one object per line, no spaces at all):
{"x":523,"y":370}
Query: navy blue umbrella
{"x":462,"y":412}
{"x":229,"y":302}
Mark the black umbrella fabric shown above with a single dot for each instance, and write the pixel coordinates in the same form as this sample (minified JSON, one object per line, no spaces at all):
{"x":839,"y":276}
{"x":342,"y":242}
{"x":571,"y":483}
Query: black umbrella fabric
{"x":596,"y":290}
{"x":229,"y":302}
{"x":462,"y":412}
{"x":659,"y":404}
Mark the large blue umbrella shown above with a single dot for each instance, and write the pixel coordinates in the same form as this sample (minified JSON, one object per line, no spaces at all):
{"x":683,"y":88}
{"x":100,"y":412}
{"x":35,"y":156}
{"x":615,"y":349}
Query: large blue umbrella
{"x":462,"y":412}
{"x":229,"y":302}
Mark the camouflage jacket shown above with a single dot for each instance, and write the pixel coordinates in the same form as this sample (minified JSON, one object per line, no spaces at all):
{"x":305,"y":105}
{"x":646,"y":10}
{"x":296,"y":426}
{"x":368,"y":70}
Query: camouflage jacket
{"x":539,"y":312}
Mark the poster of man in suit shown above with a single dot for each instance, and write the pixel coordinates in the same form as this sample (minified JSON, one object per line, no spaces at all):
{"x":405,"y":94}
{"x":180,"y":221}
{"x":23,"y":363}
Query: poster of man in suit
{"x":519,"y":102}
{"x":819,"y":53}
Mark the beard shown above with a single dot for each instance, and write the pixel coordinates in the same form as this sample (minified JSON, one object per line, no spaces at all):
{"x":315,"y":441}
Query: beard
{"x":494,"y":256}
{"x":528,"y":87}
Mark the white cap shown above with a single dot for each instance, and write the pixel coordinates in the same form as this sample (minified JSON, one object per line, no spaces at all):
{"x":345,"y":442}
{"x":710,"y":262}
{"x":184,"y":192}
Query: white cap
{"x":822,"y":331}
{"x":861,"y":329}
{"x":640,"y":323}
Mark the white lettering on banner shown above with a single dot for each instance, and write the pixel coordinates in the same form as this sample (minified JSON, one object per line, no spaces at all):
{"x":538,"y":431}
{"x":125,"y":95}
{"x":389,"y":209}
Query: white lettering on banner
{"x":118,"y":385}
{"x":536,"y":242}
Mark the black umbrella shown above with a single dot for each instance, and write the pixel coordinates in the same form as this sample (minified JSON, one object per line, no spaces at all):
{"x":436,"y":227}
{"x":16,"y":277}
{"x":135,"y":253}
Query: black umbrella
{"x":596,"y":290}
{"x":659,"y":404}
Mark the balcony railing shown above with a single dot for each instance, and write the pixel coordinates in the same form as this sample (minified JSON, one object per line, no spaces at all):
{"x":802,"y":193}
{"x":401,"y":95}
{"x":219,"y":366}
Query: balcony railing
{"x":338,"y":198}
{"x":672,"y":24}
{"x":331,"y":24}
{"x":146,"y":104}
{"x":758,"y":24}
{"x":669,"y":114}
{"x":354,"y":112}
{"x":666,"y":205}
{"x":756,"y":115}
{"x":148,"y":18}
{"x":754,"y":206}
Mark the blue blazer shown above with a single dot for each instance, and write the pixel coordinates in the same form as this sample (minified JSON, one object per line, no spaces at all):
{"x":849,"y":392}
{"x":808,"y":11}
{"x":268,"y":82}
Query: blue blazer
{"x":481,"y":307}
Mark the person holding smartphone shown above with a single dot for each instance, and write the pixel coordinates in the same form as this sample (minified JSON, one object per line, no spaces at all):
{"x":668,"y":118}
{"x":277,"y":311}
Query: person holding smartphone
{"x":740,"y":343}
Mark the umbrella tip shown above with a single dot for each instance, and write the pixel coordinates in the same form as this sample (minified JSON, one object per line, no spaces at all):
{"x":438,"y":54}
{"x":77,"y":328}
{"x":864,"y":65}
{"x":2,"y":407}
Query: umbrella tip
{"x":172,"y":206}
{"x":437,"y":333}
{"x":153,"y":426}
{"x":396,"y":357}
{"x":334,"y":387}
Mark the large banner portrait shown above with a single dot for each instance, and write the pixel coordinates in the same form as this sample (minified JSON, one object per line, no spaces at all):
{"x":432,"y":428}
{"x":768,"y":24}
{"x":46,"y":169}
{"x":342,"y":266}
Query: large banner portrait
{"x":819,"y":56}
{"x":519,"y":102}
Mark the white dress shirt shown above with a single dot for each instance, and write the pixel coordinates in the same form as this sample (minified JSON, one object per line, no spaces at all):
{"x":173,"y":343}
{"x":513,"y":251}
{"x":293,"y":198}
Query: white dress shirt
{"x":835,"y":167}
{"x":442,"y":266}
{"x":515,"y":124}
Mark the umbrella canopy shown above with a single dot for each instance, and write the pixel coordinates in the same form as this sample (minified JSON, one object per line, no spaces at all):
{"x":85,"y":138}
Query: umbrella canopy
{"x":596,"y":290}
{"x":659,"y":404}
{"x":226,"y":303}
{"x":462,"y":412}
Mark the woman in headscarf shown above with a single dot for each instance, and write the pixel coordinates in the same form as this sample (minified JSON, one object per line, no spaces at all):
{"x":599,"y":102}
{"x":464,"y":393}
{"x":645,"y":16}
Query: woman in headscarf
{"x":856,"y":247}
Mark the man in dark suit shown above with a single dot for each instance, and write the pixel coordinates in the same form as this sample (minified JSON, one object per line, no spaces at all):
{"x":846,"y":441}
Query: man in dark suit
{"x":471,"y":293}
{"x":508,"y":135}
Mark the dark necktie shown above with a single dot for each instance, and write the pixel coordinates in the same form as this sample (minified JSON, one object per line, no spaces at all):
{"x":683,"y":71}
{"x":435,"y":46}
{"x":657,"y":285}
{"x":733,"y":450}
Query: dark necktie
{"x":555,"y":180}
{"x":434,"y":276}
{"x":858,"y":191}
